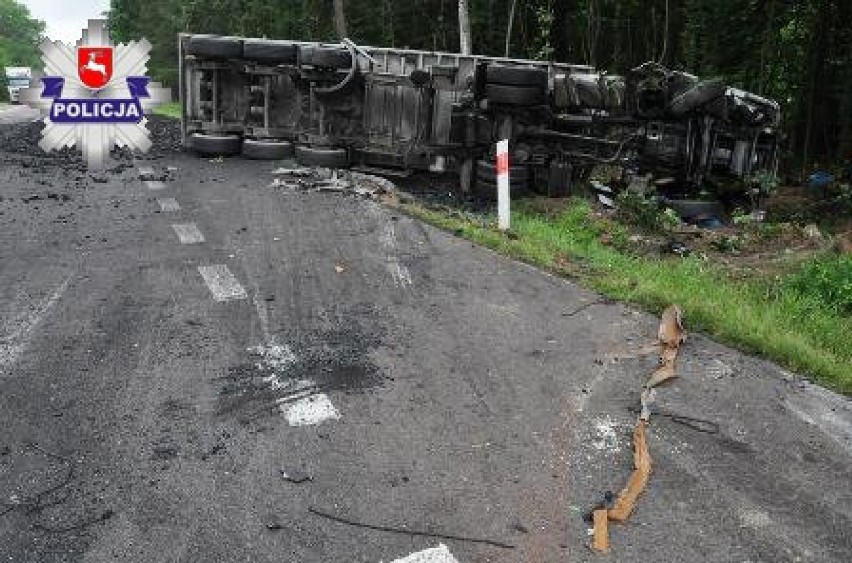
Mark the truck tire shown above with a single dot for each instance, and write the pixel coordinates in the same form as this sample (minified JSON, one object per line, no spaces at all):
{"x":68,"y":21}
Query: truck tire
{"x":697,"y":96}
{"x":327,"y":157}
{"x":516,"y":76}
{"x":488,"y":190}
{"x":215,"y":145}
{"x":214,"y":47}
{"x":689,"y":208}
{"x":486,"y":170}
{"x":326,"y":57}
{"x":267,"y":149}
{"x":269,"y":51}
{"x":514,"y":95}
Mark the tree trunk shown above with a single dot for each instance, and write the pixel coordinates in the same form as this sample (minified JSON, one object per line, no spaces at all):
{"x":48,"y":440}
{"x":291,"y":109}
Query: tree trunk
{"x":340,"y":19}
{"x":509,"y":27}
{"x":464,"y":28}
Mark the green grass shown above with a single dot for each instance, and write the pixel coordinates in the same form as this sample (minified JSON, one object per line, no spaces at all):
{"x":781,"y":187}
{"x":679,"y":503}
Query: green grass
{"x":171,"y":109}
{"x":795,"y":329}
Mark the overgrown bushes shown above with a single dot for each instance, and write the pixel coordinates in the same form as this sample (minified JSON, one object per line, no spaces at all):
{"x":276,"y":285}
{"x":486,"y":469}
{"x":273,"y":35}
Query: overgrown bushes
{"x":827,"y":281}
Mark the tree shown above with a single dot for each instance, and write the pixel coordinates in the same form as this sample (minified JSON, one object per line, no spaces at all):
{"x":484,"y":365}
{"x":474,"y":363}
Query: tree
{"x":464,"y":28}
{"x":340,"y":19}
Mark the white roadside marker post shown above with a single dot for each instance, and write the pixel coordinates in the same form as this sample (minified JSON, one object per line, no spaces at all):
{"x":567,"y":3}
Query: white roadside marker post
{"x":503,"y":210}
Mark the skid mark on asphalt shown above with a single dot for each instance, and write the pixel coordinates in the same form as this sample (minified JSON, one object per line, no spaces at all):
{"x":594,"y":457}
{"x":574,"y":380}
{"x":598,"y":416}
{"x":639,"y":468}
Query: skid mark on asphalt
{"x":169,"y":205}
{"x":222,"y":283}
{"x":399,"y":272}
{"x":14,"y":343}
{"x":440,"y":554}
{"x":188,"y":233}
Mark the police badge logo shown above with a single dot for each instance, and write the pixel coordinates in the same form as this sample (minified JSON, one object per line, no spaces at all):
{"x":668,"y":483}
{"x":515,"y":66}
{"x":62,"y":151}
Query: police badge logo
{"x":94,"y":66}
{"x":95,"y":95}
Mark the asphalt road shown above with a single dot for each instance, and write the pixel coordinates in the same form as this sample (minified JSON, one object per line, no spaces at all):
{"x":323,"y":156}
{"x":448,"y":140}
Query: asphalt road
{"x":190,"y":366}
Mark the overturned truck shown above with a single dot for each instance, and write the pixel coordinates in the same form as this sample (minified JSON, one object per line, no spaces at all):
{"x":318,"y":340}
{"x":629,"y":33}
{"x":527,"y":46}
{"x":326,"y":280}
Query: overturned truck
{"x":399,"y":110}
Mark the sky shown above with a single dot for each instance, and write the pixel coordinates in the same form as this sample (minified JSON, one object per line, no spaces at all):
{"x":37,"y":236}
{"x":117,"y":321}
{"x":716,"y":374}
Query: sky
{"x":66,"y":19}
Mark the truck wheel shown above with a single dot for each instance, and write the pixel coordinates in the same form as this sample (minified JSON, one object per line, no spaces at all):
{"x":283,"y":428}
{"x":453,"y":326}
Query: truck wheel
{"x":516,"y":76}
{"x":213,"y":47}
{"x":488,"y":190}
{"x":267,"y":149}
{"x":514,"y":95}
{"x":326,"y":57}
{"x":269,"y":51}
{"x":215,"y":145}
{"x":697,"y":96}
{"x":329,"y":158}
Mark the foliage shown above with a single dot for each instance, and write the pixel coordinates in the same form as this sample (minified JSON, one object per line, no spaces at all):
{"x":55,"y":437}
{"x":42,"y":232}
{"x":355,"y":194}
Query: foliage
{"x":645,"y":212}
{"x":20,"y":36}
{"x":827,"y":281}
{"x":172,"y":109}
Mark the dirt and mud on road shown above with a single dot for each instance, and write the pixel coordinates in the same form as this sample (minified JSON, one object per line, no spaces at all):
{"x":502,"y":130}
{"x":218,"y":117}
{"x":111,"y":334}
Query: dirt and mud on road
{"x":197,"y":366}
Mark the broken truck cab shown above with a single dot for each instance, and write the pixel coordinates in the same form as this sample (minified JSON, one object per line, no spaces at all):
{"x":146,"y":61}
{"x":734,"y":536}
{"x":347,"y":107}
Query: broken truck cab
{"x":346,"y":105}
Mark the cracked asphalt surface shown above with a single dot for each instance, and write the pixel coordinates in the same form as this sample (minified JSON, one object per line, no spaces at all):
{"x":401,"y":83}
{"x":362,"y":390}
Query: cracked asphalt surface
{"x":139,"y":426}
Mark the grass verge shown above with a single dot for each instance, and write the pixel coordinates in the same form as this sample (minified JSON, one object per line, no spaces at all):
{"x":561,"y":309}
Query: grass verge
{"x":757,"y":316}
{"x":171,"y":109}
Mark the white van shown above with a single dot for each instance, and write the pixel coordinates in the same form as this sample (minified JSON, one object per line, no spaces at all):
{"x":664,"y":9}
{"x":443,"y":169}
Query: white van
{"x":17,"y":79}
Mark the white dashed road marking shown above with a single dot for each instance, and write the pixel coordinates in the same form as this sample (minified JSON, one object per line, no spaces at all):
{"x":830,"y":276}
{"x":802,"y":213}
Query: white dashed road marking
{"x":155,"y":184}
{"x":169,"y":205}
{"x":298,"y":399}
{"x":188,"y":233}
{"x":308,"y":411}
{"x":222,"y":283}
{"x":440,"y":554}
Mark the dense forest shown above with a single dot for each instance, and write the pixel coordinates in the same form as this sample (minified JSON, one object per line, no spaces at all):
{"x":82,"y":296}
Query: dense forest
{"x":20,"y":35}
{"x":796,"y":51}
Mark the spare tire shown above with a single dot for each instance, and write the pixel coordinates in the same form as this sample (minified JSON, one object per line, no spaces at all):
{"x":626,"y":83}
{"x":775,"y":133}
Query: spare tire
{"x":326,"y":57}
{"x":327,"y":157}
{"x":515,"y":95}
{"x":212,"y":47}
{"x":215,"y":145}
{"x":270,"y":51}
{"x":516,"y":76}
{"x":267,"y":149}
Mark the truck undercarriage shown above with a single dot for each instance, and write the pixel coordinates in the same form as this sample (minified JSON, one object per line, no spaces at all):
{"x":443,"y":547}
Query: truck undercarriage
{"x":341,"y":105}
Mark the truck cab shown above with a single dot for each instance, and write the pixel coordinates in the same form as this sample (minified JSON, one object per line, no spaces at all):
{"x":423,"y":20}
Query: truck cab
{"x":17,"y":78}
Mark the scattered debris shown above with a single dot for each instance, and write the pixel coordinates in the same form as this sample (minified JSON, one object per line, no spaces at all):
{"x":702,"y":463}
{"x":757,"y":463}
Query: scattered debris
{"x":638,"y":480}
{"x":600,"y":541}
{"x":408,"y":531}
{"x":274,"y":525}
{"x":326,"y":180}
{"x":295,"y":476}
{"x":212,"y":451}
{"x":671,"y":335}
{"x":607,"y":437}
{"x":812,"y":232}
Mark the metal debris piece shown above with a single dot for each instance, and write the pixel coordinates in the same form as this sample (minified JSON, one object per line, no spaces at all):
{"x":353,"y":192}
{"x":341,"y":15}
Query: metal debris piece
{"x":295,"y":476}
{"x":638,"y":480}
{"x":600,"y":537}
